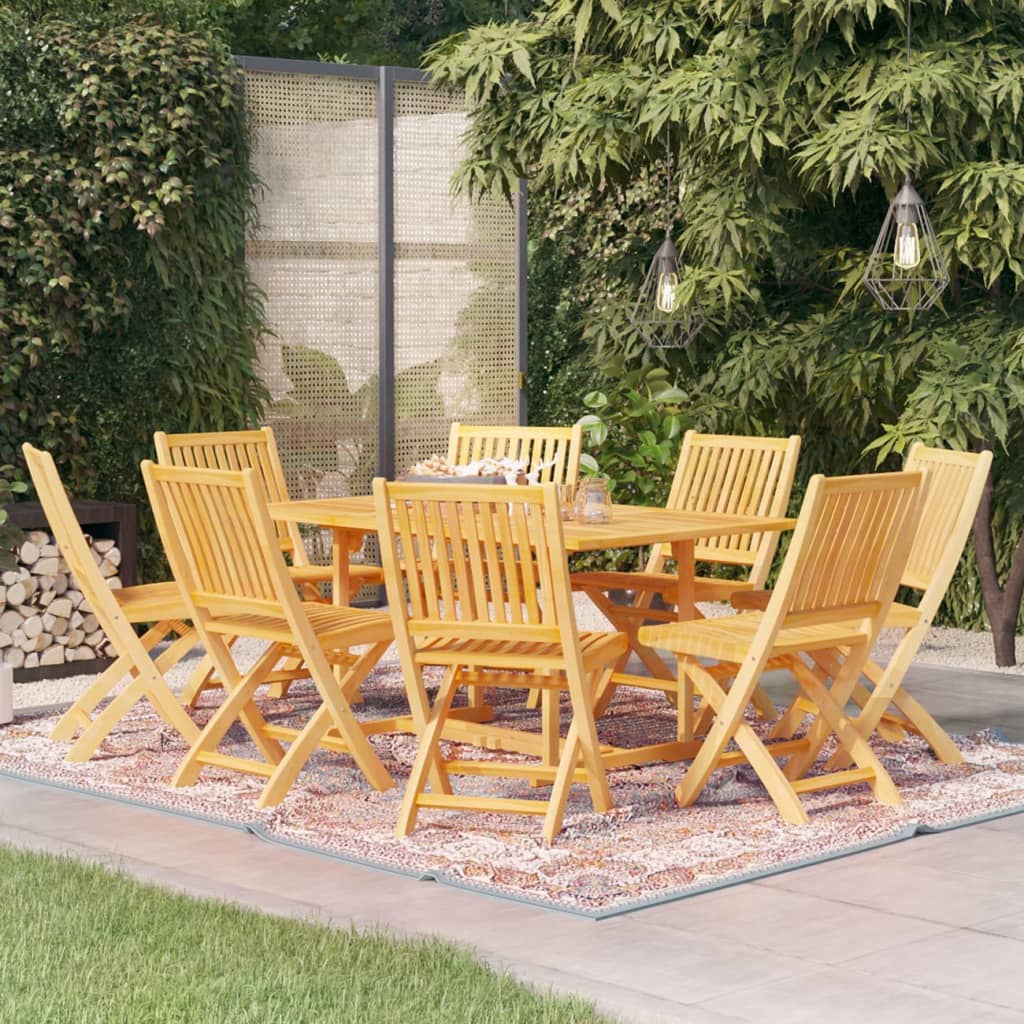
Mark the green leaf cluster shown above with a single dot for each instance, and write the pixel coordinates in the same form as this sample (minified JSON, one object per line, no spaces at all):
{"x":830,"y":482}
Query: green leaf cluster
{"x":356,"y":31}
{"x":125,"y":198}
{"x":769,"y":136}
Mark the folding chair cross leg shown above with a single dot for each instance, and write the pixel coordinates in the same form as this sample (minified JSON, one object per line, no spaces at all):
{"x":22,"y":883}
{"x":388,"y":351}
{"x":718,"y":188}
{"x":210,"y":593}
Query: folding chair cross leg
{"x":478,"y":585}
{"x":837,"y":584}
{"x":952,"y":487}
{"x":716,"y":473}
{"x":235,"y":450}
{"x":222,"y":546}
{"x":116,"y":611}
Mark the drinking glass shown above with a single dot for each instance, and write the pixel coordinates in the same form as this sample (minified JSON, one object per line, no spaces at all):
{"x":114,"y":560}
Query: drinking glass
{"x":593,"y":501}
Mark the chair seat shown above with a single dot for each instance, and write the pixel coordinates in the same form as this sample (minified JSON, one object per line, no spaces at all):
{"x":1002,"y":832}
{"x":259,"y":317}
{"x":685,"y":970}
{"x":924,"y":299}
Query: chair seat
{"x":706,"y":588}
{"x":335,"y":628}
{"x":730,"y":638}
{"x":152,"y":602}
{"x":900,"y":616}
{"x":597,"y":649}
{"x":325,"y":573}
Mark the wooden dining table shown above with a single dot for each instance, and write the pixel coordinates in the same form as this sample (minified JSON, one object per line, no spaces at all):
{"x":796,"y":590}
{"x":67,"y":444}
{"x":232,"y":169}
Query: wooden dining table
{"x":351,"y":518}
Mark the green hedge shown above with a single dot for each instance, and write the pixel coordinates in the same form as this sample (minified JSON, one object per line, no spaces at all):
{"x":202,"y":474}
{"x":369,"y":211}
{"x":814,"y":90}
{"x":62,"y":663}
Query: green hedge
{"x":125,"y":197}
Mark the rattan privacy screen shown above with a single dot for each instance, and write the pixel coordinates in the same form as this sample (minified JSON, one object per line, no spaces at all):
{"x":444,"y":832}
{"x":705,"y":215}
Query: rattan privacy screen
{"x":396,"y":308}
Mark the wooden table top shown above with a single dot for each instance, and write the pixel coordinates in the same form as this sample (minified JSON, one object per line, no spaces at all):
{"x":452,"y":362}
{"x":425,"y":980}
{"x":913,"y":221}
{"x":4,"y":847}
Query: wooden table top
{"x":630,"y":526}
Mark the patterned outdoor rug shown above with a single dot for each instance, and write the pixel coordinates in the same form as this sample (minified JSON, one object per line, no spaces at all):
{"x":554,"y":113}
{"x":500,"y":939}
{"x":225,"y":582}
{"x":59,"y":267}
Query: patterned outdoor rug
{"x":645,"y":851}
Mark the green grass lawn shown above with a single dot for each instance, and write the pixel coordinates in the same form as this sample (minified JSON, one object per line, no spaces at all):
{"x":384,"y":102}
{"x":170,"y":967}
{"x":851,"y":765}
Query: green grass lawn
{"x":79,"y":944}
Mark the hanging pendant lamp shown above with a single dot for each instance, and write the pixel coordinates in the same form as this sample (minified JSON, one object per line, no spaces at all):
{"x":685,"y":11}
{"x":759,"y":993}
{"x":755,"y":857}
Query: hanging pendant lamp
{"x":906,"y":270}
{"x":659,"y":316}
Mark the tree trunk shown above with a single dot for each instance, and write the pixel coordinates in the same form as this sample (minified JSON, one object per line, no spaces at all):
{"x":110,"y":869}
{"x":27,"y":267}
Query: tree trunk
{"x":1002,"y":603}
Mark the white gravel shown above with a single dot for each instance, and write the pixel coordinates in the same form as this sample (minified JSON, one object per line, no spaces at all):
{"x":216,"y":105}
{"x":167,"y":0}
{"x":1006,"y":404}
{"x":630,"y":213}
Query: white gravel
{"x":946,"y":647}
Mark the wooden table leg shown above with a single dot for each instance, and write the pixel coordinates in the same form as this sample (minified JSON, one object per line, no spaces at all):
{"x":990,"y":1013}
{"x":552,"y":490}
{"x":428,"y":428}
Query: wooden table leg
{"x":686,"y":567}
{"x":345,"y":541}
{"x":686,"y":610}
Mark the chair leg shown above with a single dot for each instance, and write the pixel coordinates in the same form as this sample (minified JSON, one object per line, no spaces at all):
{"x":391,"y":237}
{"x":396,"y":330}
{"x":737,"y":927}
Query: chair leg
{"x":560,"y":787}
{"x":771,"y":775}
{"x":550,"y":731}
{"x":922,"y":722}
{"x":764,"y":705}
{"x":728,"y":724}
{"x":581,"y":694}
{"x":279,"y":690}
{"x":573,"y":751}
{"x":149,"y":683}
{"x":202,"y":679}
{"x":788,"y":723}
{"x":684,"y":701}
{"x":78,"y":715}
{"x":346,"y":723}
{"x":237,"y":706}
{"x":850,"y":739}
{"x":888,"y":690}
{"x":428,"y":755}
{"x":302,"y":747}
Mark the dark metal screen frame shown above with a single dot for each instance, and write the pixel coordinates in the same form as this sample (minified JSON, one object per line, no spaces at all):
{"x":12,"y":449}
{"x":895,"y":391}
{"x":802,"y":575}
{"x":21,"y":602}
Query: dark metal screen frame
{"x":385,"y":77}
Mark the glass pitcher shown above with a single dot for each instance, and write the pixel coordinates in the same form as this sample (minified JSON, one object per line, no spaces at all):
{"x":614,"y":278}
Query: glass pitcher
{"x":593,"y":501}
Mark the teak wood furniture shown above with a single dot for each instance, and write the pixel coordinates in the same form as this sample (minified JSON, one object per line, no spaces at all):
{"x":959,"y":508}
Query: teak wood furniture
{"x":951,"y":491}
{"x":635,"y":525}
{"x":254,"y":449}
{"x":487,"y":580}
{"x":630,"y":526}
{"x":839,"y":578}
{"x":553,"y":451}
{"x":116,"y":611}
{"x":716,"y":473}
{"x":226,"y":556}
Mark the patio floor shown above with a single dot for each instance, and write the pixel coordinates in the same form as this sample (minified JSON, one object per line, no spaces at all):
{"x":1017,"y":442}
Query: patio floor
{"x":932,"y":928}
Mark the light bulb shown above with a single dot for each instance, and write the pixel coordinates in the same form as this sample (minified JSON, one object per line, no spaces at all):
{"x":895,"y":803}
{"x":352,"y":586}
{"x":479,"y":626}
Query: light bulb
{"x":666,"y":300}
{"x":907,"y":249}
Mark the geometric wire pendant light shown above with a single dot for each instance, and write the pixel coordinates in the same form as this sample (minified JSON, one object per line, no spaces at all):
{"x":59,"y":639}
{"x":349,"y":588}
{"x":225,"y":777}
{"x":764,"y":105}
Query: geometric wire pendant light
{"x":906,"y":270}
{"x":658,"y":316}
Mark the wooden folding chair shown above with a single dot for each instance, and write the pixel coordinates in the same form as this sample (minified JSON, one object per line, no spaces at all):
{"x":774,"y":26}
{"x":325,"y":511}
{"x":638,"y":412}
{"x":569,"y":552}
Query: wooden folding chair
{"x":838,"y":580}
{"x":227,"y":559}
{"x":553,"y":451}
{"x":255,"y":449}
{"x":489,"y":601}
{"x":722,"y":473}
{"x":116,"y":611}
{"x":951,"y":491}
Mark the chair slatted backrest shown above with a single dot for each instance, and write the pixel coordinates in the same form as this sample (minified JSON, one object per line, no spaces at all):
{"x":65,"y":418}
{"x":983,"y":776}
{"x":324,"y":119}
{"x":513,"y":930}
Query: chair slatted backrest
{"x":556,"y":449}
{"x":221,"y":541}
{"x":733,"y":475}
{"x":236,"y":450}
{"x":71,"y":540}
{"x":476,"y":561}
{"x":849,"y":548}
{"x":952,"y":489}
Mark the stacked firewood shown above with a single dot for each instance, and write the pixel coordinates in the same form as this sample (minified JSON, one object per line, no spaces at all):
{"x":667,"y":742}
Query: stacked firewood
{"x":44,"y":617}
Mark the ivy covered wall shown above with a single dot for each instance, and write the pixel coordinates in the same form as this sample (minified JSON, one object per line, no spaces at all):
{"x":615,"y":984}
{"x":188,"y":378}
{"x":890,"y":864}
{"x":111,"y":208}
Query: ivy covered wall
{"x":125,"y":197}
